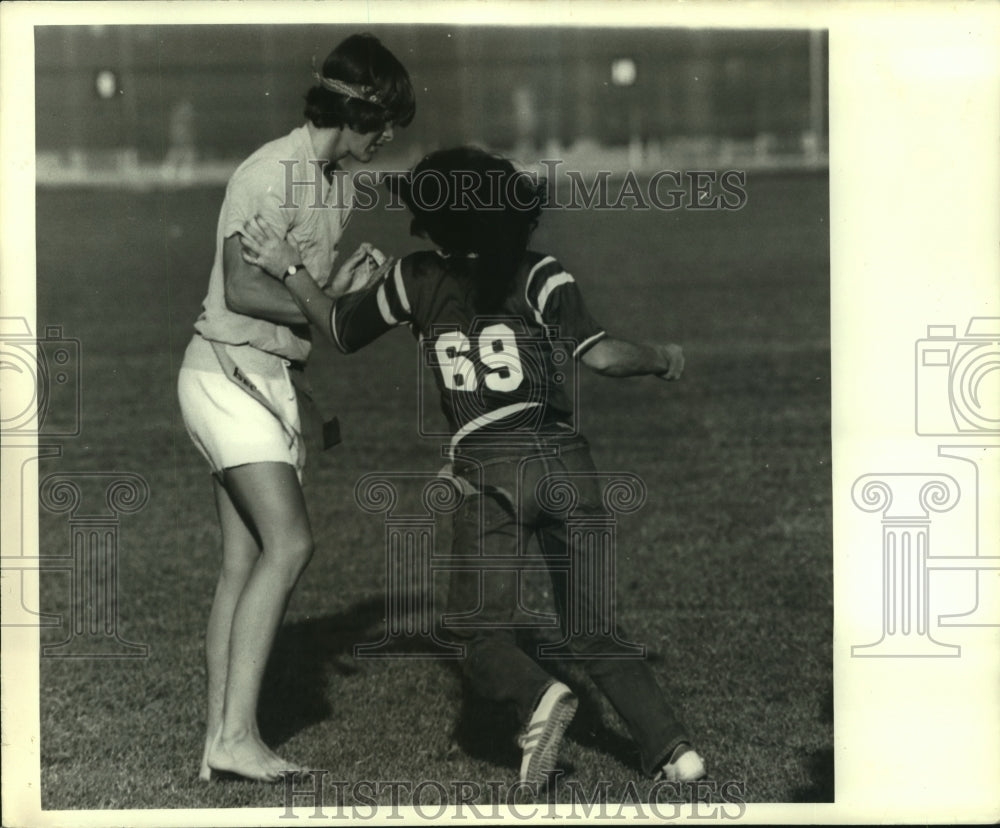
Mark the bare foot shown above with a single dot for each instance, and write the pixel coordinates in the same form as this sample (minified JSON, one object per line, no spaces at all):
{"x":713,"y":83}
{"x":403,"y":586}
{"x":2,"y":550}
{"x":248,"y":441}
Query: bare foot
{"x":245,"y":757}
{"x":277,"y":764}
{"x":205,"y":772}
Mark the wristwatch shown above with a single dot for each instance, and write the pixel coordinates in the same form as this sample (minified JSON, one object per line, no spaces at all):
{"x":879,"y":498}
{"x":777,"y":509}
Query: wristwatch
{"x":292,"y":270}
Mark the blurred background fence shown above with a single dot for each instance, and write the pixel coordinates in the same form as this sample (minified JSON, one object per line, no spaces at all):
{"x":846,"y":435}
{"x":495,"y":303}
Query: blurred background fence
{"x":184,"y":104}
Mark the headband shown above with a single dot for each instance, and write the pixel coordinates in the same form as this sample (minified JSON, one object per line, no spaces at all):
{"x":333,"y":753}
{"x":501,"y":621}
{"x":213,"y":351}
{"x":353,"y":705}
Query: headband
{"x":361,"y":93}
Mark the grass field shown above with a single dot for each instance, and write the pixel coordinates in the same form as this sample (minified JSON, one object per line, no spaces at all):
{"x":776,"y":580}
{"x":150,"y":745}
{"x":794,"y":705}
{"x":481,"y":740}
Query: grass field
{"x":726,"y":573}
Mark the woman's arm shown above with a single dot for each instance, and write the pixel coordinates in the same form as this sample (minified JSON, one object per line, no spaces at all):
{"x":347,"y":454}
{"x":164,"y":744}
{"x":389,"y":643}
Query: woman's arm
{"x":263,"y":249}
{"x":251,"y":292}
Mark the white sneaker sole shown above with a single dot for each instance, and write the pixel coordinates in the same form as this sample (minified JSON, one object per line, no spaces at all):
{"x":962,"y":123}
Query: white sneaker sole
{"x":689,"y":767}
{"x":543,"y":737}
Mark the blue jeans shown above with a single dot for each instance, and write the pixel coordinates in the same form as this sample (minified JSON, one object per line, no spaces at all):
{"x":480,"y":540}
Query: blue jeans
{"x":508,"y":509}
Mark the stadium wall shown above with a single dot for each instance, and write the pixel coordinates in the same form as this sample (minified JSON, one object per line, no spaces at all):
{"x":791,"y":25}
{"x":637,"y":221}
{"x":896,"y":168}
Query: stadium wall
{"x":187,"y":102}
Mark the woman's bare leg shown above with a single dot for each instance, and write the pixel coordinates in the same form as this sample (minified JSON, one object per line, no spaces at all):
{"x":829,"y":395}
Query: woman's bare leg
{"x":269,"y":499}
{"x":240,"y":550}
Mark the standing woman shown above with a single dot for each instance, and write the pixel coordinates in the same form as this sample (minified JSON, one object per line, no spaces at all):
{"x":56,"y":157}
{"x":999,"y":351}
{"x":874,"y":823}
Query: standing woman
{"x":236,"y":384}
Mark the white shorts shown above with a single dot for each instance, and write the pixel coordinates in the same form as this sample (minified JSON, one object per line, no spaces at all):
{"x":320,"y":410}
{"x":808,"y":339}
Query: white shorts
{"x":230,"y":427}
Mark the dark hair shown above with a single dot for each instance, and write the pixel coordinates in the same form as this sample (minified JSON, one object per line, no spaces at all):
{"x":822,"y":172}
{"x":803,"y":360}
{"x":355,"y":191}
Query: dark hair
{"x":466,"y":200}
{"x":361,"y":60}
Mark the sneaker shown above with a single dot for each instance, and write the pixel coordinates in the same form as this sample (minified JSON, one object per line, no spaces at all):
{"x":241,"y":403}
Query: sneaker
{"x":684,"y":765}
{"x":543,"y":735}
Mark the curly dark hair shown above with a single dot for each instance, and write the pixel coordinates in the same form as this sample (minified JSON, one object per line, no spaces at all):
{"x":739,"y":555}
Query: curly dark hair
{"x":362,"y":60}
{"x":467,"y":200}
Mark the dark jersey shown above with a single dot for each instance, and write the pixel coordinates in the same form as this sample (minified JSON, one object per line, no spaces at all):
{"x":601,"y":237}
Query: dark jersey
{"x":502,"y":372}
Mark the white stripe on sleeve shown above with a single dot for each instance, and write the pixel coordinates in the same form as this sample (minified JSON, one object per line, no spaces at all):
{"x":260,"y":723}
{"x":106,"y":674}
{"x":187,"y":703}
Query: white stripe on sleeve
{"x":527,"y":286}
{"x":383,"y":306}
{"x":590,"y":340}
{"x":554,"y":281}
{"x":333,"y":328}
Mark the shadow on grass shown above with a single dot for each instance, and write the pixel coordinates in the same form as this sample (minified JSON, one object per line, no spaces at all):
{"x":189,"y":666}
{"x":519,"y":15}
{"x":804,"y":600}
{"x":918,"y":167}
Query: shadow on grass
{"x":819,"y":763}
{"x":486,"y":730}
{"x":294,"y":692}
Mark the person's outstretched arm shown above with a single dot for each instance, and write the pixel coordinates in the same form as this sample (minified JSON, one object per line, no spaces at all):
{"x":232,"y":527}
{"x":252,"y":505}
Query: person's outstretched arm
{"x":555,"y":299}
{"x":614,"y":357}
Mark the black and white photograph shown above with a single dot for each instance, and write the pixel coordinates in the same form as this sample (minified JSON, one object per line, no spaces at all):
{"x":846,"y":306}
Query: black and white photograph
{"x":502,"y":412}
